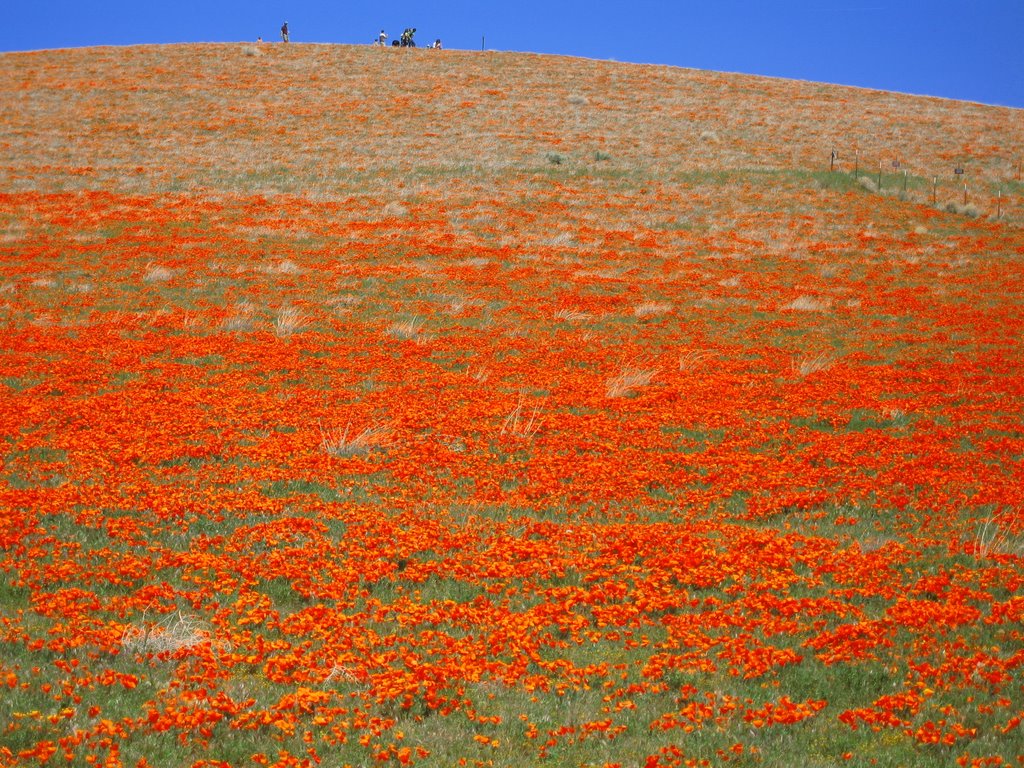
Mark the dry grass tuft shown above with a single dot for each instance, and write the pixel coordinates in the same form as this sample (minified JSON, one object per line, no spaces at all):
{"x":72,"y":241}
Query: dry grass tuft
{"x":241,"y":318}
{"x":629,"y":380}
{"x":652,"y":308}
{"x":175,"y":633}
{"x":808,"y":364}
{"x":346,"y":442}
{"x":395,"y":210}
{"x":288,"y":321}
{"x":157,"y":274}
{"x":994,"y":537}
{"x":520,"y":423}
{"x":408,"y":330}
{"x":571,"y":315}
{"x":808,"y":304}
{"x":692,"y":359}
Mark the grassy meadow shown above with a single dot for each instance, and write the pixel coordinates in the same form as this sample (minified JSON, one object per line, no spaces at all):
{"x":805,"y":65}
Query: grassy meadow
{"x":383,"y":407}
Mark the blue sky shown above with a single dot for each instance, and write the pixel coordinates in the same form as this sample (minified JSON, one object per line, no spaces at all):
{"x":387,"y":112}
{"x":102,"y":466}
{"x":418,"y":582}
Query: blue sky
{"x":971,"y":49}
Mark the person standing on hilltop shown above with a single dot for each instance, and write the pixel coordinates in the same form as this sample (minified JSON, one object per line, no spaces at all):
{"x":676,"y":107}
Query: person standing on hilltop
{"x":382,"y":38}
{"x":284,"y":32}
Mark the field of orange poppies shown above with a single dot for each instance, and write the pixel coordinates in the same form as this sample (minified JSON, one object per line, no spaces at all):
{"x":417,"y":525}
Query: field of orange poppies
{"x":371,"y":407}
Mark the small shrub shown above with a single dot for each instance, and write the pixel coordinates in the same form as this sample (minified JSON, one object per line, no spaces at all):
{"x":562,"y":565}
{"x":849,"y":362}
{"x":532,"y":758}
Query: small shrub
{"x":600,"y":156}
{"x":554,"y":158}
{"x":961,"y":209}
{"x":868,"y":183}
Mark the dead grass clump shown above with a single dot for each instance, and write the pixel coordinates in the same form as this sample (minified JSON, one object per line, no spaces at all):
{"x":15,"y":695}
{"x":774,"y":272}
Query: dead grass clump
{"x":521,"y":423}
{"x":571,"y":315}
{"x":994,"y":537}
{"x":157,"y":274}
{"x":177,"y":632}
{"x":395,"y":210}
{"x":808,"y":364}
{"x":347,"y":442}
{"x":288,"y":321}
{"x":652,"y":308}
{"x":808,"y":304}
{"x":692,"y":359}
{"x":241,"y":317}
{"x":628,"y":380}
{"x":578,"y":99}
{"x":868,"y":544}
{"x":408,"y":330}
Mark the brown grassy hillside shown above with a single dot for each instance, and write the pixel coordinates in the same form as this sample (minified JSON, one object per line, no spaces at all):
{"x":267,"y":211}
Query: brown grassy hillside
{"x":316,"y":119}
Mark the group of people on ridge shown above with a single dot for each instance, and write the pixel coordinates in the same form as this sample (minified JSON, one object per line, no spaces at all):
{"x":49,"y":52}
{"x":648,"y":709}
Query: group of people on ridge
{"x":406,"y":40}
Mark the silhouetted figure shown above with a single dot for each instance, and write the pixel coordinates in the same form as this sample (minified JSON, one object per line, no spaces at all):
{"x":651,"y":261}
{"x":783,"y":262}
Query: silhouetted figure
{"x":284,"y":32}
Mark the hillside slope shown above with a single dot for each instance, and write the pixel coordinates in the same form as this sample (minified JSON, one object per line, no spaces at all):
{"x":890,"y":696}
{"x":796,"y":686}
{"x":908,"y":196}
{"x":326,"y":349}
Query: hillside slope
{"x":365,"y":406}
{"x":313,"y":119}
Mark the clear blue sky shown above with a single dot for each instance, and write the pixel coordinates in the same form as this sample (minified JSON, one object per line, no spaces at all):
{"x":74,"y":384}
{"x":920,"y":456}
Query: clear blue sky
{"x":970,"y":49}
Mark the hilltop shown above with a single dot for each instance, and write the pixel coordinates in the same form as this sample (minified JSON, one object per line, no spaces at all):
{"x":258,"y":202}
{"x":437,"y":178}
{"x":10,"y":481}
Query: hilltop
{"x":314,"y":119}
{"x":375,"y":406}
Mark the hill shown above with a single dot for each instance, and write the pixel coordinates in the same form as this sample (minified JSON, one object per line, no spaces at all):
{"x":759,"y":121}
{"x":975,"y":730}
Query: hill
{"x":383,"y":406}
